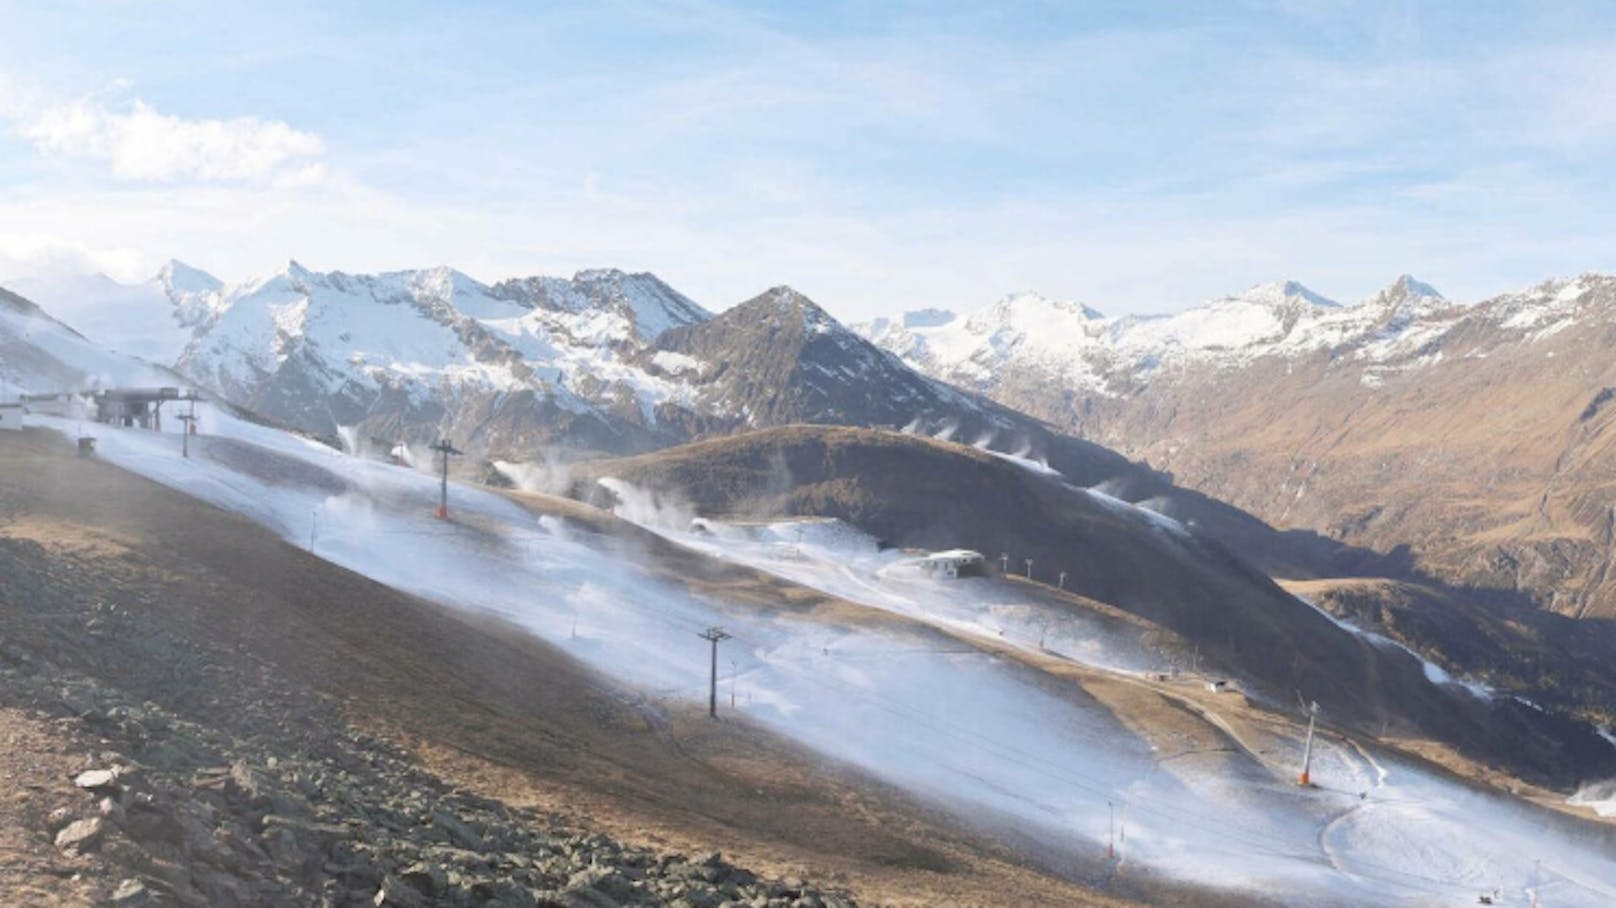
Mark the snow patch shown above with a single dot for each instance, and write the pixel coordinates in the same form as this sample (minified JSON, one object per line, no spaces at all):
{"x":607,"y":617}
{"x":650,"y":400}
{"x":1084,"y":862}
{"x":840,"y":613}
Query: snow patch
{"x":1434,"y":673}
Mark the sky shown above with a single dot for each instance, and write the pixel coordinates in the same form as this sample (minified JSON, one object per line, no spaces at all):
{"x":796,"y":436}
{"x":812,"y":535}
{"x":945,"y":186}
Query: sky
{"x":1137,"y":156}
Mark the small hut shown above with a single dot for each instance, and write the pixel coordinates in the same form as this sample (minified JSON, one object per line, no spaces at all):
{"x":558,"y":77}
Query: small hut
{"x":955,"y":563}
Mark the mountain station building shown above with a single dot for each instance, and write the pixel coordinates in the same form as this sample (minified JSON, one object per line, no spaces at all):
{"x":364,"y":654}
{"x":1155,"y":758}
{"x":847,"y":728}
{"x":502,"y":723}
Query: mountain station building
{"x":955,"y":563}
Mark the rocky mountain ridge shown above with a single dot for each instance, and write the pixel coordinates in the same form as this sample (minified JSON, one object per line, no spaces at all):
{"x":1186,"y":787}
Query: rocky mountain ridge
{"x":1471,"y":437}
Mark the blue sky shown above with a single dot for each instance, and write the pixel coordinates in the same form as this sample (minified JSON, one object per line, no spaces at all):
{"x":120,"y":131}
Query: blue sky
{"x":1137,"y":156}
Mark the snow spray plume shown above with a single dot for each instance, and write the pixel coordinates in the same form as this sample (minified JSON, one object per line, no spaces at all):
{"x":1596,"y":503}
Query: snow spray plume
{"x":349,"y":437}
{"x":1600,"y":797}
{"x":550,"y":476}
{"x":772,"y":497}
{"x":647,"y":507}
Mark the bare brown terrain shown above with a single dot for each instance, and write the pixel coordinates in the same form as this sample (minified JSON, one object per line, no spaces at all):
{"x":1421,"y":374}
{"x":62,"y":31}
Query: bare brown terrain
{"x":922,"y":492}
{"x":1487,"y":458}
{"x":34,"y":752}
{"x":204,"y":599}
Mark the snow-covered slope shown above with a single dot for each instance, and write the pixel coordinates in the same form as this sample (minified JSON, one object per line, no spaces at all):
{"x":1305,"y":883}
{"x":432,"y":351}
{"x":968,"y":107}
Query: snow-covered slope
{"x":968,"y":720}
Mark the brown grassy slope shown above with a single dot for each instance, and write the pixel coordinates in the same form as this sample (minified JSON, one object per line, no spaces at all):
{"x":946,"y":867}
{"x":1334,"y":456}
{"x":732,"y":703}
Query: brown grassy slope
{"x":1495,"y":465}
{"x":484,"y":704}
{"x":919,"y":492}
{"x":1557,"y":661}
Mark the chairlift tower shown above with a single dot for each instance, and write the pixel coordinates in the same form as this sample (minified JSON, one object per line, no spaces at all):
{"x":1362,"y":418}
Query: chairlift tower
{"x":189,"y":419}
{"x":713,"y":635}
{"x":1307,"y":751}
{"x":445,"y":451}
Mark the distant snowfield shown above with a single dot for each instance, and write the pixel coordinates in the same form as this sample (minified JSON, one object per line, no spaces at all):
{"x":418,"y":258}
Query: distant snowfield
{"x":981,"y":733}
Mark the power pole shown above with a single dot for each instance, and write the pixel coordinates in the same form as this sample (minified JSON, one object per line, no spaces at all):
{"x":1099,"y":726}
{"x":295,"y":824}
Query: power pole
{"x":733,"y":671}
{"x":1111,"y":840}
{"x":189,"y":419}
{"x":1061,"y":584}
{"x":446,"y":450}
{"x":1029,"y":568}
{"x":1307,"y":752}
{"x":713,"y":635}
{"x":314,"y":523}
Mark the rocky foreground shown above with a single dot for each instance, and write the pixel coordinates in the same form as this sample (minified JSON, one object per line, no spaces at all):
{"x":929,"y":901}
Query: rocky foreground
{"x":267,"y":797}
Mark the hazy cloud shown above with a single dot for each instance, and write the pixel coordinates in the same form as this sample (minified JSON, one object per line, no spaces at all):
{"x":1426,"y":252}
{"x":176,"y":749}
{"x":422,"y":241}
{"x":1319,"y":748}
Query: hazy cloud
{"x":140,"y":143}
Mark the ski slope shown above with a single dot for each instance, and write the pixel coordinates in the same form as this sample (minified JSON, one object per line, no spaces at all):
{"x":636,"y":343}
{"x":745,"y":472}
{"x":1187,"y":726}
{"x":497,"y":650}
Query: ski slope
{"x":989,"y":737}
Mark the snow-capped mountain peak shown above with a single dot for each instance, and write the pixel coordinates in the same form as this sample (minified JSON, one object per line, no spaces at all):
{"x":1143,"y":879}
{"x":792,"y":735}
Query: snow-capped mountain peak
{"x":176,"y":277}
{"x":1027,"y":312}
{"x":1073,"y":346}
{"x":294,"y":270}
{"x":1407,"y":292}
{"x":1281,"y":296}
{"x":784,"y":296}
{"x":1405,"y":300}
{"x":792,"y":304}
{"x":1408,"y":287}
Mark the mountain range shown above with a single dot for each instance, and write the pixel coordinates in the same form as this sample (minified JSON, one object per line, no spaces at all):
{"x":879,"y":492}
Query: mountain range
{"x":690,"y":426}
{"x":1327,"y":427}
{"x":1474,"y":437}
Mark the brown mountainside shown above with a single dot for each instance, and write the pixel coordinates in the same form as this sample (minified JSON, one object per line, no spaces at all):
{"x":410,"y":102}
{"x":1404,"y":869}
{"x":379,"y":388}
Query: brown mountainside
{"x":1468,"y":443}
{"x":926,"y":493}
{"x":1490,"y":458}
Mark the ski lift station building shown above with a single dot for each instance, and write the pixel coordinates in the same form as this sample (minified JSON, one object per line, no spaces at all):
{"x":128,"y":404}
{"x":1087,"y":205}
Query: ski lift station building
{"x":955,"y":563}
{"x":10,"y":417}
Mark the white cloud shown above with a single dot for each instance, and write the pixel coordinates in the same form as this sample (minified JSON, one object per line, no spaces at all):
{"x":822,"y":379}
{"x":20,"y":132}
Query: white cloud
{"x":142,"y":144}
{"x":33,"y":255}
